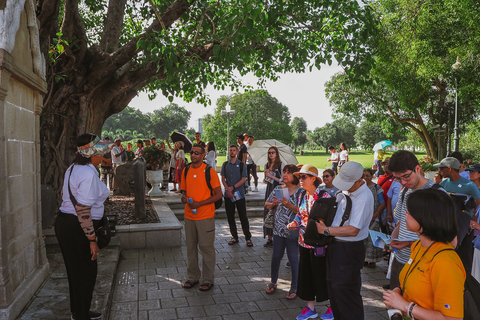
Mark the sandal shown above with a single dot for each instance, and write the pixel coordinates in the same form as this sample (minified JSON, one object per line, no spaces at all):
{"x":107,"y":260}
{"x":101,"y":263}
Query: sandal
{"x":249,"y":243}
{"x":292,"y":294}
{"x":205,"y":286}
{"x":189,"y":284}
{"x":269,"y":243}
{"x":232,"y":241}
{"x":271,"y":288}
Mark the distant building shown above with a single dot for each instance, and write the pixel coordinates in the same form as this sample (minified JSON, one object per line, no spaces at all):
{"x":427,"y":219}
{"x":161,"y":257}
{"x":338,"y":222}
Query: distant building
{"x":200,"y":125}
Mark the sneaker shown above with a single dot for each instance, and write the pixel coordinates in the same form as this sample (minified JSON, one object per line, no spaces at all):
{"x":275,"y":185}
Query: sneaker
{"x":92,"y":314}
{"x":307,"y":314}
{"x":255,"y":190}
{"x":328,"y":315}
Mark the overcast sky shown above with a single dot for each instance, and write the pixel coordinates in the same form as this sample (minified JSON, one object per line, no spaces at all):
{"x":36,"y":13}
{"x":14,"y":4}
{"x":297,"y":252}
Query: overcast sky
{"x":303,"y":94}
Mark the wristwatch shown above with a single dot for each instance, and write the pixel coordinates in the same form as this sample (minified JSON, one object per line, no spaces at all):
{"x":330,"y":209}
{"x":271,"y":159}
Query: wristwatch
{"x":326,"y":231}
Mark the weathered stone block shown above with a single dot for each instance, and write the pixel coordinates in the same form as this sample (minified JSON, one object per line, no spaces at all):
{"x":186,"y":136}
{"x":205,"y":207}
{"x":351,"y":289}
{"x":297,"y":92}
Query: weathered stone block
{"x":28,"y":160}
{"x":14,"y":158}
{"x":124,"y":179}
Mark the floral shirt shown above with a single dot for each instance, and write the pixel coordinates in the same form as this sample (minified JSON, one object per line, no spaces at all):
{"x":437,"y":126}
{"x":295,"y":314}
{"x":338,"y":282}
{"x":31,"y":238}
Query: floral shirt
{"x":283,"y":215}
{"x":304,"y":211}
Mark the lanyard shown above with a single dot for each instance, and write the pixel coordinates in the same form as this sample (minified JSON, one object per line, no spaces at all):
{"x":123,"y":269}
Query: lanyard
{"x":410,"y":269}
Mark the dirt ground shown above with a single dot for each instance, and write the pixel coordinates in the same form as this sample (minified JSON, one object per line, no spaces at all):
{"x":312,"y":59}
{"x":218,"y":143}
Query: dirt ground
{"x":124,"y":208}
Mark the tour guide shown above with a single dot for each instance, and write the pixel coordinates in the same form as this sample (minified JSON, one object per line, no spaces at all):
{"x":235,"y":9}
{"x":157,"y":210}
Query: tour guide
{"x":346,"y":253}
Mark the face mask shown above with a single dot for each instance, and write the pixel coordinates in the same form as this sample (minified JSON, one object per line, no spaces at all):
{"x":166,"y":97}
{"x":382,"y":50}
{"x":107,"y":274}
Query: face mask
{"x":96,"y":147}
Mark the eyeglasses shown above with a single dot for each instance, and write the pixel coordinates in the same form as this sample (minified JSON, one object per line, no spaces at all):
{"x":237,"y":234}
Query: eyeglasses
{"x":404,"y":178}
{"x":472,"y":172}
{"x":327,"y":176}
{"x":271,"y":152}
{"x":195,"y":152}
{"x":303,"y":176}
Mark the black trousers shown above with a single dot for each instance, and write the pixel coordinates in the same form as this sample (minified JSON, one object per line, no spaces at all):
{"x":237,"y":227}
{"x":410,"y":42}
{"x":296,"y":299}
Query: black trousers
{"x":81,"y":270}
{"x":242,"y":214}
{"x":344,"y":263}
{"x":335,"y":166}
{"x":312,"y":281}
{"x":252,"y":169}
{"x":465,"y":251}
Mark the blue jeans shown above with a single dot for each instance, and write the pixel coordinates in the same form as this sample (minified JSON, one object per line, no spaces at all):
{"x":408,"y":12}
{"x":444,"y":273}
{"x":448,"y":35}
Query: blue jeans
{"x":279,"y":245}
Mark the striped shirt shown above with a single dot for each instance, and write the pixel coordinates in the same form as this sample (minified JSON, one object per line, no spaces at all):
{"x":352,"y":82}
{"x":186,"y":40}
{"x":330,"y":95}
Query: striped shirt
{"x":403,"y":255}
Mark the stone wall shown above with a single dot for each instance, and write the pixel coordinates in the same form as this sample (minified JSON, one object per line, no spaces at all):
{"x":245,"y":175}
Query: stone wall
{"x":23,"y":262}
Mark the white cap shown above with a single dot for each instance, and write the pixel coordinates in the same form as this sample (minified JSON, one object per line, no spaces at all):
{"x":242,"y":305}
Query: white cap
{"x":349,"y":173}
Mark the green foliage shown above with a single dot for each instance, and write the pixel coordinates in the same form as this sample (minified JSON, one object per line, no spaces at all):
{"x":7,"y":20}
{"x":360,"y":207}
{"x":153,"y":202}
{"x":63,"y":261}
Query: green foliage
{"x":332,"y":134}
{"x":256,"y":113}
{"x":154,"y":156}
{"x":415,"y":45}
{"x":129,"y":119}
{"x":426,"y":163}
{"x":299,"y":130}
{"x":168,"y":119}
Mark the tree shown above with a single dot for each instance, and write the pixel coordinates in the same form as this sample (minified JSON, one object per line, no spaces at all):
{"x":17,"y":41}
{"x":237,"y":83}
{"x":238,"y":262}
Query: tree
{"x":415,"y":46}
{"x":256,"y":113}
{"x":299,"y":129}
{"x":100,"y":54}
{"x":332,"y":134}
{"x":369,"y":133}
{"x":168,"y":119}
{"x":129,"y":119}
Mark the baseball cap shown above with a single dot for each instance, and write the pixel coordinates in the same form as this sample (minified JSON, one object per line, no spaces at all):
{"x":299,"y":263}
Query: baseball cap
{"x":349,"y":173}
{"x":448,"y":162}
{"x":475,"y":167}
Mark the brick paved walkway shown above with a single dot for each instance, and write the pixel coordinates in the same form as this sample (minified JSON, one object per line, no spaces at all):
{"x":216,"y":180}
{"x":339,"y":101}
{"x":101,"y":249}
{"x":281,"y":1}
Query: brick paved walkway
{"x":149,"y":284}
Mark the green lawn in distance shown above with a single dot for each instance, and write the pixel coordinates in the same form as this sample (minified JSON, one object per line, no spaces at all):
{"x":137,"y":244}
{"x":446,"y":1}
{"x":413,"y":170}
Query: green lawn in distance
{"x":319,"y":158}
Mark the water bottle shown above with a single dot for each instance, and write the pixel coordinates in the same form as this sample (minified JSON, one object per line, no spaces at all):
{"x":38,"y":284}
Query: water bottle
{"x":190,"y":200}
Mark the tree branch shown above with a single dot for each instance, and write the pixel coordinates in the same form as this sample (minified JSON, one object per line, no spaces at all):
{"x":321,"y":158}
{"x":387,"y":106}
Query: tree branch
{"x":73,"y":30}
{"x":113,"y":26}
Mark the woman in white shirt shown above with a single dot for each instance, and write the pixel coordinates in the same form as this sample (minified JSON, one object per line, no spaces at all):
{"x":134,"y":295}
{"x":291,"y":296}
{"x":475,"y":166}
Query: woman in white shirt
{"x":211,"y":157}
{"x":343,"y":155}
{"x":82,"y":203}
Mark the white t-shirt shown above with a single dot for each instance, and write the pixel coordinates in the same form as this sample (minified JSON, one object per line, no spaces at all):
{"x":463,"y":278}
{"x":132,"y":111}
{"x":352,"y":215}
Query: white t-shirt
{"x":116,"y":150}
{"x":334,"y":156}
{"x":361,"y":214}
{"x":87,"y":188}
{"x":343,"y":155}
{"x":211,"y":159}
{"x":249,"y":158}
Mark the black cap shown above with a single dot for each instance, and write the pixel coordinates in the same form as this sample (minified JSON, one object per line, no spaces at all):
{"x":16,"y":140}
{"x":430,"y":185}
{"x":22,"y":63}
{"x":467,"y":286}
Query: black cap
{"x":475,"y":167}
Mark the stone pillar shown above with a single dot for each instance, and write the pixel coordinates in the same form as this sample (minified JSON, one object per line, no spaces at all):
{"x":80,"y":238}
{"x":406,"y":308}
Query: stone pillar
{"x":23,"y":262}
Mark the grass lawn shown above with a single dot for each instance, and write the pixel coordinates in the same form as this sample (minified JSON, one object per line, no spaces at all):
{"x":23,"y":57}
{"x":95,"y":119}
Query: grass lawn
{"x":319,"y":158}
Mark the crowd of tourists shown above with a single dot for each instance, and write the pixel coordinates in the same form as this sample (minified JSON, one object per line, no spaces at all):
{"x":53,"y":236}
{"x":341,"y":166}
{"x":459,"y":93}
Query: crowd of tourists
{"x":323,"y":219}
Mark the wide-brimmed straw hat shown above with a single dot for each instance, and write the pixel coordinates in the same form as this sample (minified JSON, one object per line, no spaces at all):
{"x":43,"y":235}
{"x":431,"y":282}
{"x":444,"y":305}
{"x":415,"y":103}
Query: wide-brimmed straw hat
{"x":308,"y":169}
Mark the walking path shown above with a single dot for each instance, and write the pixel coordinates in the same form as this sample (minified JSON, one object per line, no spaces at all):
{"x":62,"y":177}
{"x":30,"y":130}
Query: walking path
{"x":149,"y":284}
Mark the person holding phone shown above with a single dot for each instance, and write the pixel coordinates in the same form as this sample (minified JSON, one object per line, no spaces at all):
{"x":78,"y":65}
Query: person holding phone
{"x":312,"y":279}
{"x":285,"y":210}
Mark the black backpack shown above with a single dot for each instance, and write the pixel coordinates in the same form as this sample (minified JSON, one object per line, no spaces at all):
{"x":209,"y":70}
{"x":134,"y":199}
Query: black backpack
{"x":219,"y":202}
{"x":471,"y":295}
{"x":324,"y":209}
{"x":462,"y":203}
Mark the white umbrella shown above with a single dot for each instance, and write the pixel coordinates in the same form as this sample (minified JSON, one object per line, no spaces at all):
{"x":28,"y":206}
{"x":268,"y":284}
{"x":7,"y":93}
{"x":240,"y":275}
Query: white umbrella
{"x":259,"y":152}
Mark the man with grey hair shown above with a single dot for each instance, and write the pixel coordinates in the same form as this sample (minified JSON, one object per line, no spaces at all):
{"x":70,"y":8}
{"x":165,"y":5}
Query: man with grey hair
{"x":346,"y":253}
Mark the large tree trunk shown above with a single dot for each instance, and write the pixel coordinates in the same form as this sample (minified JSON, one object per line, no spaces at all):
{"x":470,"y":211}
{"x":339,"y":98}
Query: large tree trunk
{"x":88,"y":84}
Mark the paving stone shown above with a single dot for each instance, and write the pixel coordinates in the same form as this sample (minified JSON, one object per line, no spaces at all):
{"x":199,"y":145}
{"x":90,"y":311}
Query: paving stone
{"x":189,"y":312}
{"x":173,"y":302}
{"x":248,"y":306}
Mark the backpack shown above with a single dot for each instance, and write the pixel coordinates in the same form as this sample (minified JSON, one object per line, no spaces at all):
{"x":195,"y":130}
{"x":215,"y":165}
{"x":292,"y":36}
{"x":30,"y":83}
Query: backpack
{"x":462,"y":203}
{"x":471,"y":295}
{"x":219,"y":202}
{"x":324,"y":209}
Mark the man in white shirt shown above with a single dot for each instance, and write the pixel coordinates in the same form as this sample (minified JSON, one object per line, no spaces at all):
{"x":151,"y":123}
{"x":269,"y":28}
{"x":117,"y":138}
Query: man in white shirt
{"x":346,"y":253}
{"x":117,"y":152}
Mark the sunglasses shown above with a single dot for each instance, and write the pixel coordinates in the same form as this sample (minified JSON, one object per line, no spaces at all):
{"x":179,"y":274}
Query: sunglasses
{"x":196,"y":152}
{"x":327,"y":176}
{"x":271,"y":152}
{"x":303,"y":176}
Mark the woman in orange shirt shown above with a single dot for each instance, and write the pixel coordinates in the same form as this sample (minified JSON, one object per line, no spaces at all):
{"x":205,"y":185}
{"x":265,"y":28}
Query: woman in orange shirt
{"x":432,"y":281}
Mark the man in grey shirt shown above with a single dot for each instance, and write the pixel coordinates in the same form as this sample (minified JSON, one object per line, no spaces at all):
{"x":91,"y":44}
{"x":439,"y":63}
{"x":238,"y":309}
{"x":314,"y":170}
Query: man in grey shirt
{"x":234,"y":174}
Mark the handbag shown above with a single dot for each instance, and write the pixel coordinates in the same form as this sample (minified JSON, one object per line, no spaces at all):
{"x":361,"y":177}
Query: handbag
{"x":102,"y":227}
{"x":270,"y":218}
